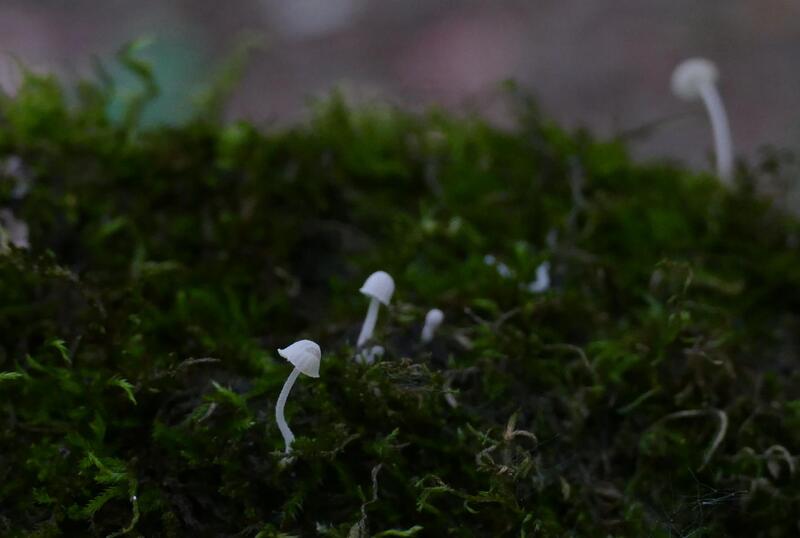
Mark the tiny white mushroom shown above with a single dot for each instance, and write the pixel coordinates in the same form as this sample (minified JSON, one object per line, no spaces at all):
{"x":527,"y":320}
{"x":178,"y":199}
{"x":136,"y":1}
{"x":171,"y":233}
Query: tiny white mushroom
{"x":305,"y":355}
{"x":433,"y":319}
{"x":370,"y":354}
{"x":502,"y":269}
{"x":379,"y":287}
{"x":695,"y":79}
{"x":12,"y":230}
{"x":542,"y":282}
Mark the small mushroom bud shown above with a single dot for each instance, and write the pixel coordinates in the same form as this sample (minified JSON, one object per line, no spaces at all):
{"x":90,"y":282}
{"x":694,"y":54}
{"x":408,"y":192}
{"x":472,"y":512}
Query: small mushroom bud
{"x":433,"y":319}
{"x":370,"y":354}
{"x":305,"y":355}
{"x":542,"y":282}
{"x":12,"y":231}
{"x":502,"y":269}
{"x":379,"y":287}
{"x":695,"y":79}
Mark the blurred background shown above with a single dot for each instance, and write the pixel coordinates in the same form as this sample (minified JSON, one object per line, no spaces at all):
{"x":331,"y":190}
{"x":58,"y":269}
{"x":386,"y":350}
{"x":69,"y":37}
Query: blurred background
{"x":601,"y":65}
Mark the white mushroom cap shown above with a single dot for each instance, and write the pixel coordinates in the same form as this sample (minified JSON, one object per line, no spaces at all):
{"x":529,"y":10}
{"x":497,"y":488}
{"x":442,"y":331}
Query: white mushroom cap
{"x":379,"y":286}
{"x":305,"y":355}
{"x":690,"y":75}
{"x":434,"y":318}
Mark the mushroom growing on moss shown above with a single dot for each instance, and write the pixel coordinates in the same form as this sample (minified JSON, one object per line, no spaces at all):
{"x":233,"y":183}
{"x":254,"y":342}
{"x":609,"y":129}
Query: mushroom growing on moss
{"x":379,"y":287}
{"x":695,"y":79}
{"x":433,"y":319}
{"x":305,"y":355}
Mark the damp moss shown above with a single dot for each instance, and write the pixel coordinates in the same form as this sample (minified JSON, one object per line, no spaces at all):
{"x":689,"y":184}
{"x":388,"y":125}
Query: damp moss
{"x":653,"y":390}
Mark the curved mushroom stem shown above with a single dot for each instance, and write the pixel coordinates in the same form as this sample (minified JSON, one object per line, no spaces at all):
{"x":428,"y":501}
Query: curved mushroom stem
{"x":288,"y":436}
{"x":723,"y":147}
{"x":369,"y":323}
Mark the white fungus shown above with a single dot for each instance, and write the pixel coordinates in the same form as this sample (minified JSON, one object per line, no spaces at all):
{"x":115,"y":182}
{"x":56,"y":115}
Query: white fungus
{"x":379,"y":287}
{"x":542,"y":282}
{"x":305,"y":355}
{"x":13,"y":231}
{"x":433,"y":319}
{"x":695,"y":79}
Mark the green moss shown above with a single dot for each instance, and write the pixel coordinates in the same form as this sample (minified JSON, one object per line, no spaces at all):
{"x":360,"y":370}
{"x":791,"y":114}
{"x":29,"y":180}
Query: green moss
{"x":652,"y":391}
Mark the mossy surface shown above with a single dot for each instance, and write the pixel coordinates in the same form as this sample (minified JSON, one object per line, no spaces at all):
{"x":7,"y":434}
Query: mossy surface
{"x":653,"y":390}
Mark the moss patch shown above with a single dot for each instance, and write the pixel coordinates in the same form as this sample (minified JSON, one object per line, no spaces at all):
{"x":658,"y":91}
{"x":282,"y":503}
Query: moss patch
{"x":653,"y":390}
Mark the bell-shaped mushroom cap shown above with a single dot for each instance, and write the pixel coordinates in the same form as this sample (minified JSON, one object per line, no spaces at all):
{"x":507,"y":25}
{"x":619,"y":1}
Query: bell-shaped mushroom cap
{"x":434,"y":318}
{"x":305,"y":355}
{"x":690,"y":75}
{"x":380,"y":286}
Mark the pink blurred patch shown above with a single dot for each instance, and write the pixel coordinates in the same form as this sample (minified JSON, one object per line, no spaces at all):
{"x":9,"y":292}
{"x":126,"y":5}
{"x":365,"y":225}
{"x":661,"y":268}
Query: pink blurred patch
{"x":461,"y":54}
{"x":25,"y":36}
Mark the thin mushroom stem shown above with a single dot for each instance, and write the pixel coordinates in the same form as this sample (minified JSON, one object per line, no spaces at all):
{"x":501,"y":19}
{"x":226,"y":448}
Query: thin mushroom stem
{"x":427,"y":333}
{"x":288,"y":436}
{"x":369,"y":323}
{"x":721,"y":130}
